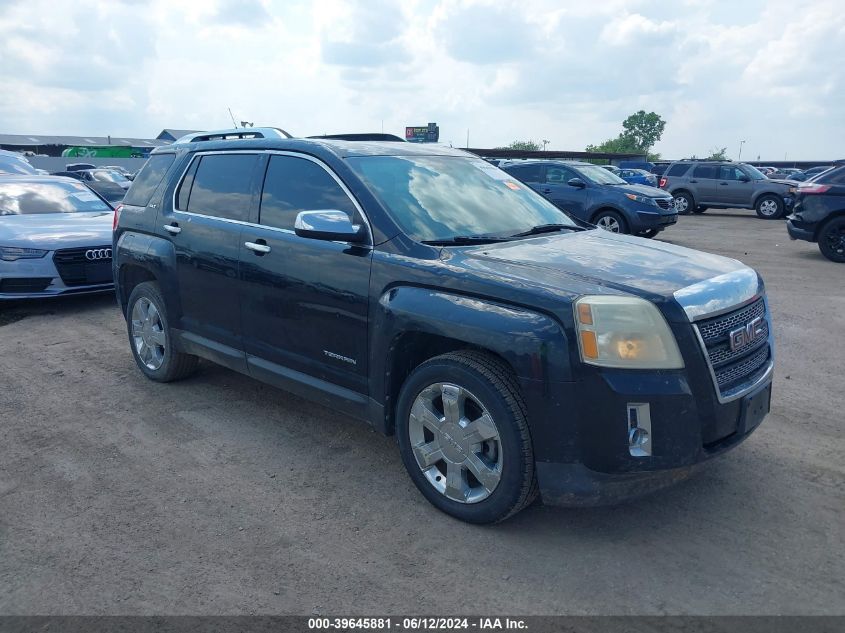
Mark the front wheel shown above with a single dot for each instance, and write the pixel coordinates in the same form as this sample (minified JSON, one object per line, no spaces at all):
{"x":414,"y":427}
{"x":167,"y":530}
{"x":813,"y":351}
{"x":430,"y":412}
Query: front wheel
{"x":700,"y":209}
{"x":610,"y":221}
{"x":463,"y":435}
{"x":649,"y":233}
{"x":769,"y":207}
{"x":832,"y":240}
{"x":150,"y":337}
{"x":683,"y":203}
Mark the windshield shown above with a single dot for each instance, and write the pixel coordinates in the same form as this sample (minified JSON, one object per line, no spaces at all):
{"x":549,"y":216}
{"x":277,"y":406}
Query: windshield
{"x":440,"y":197}
{"x":753,"y":172}
{"x":109,"y":175}
{"x":25,"y":198}
{"x":599,"y":175}
{"x":12,"y":165}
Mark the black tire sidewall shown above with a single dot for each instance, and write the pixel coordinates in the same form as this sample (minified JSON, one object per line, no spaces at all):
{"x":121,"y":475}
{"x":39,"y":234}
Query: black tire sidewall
{"x":823,"y":247}
{"x":150,"y":291}
{"x":690,"y":202}
{"x":499,"y":504}
{"x":777,"y":200}
{"x":623,"y":225}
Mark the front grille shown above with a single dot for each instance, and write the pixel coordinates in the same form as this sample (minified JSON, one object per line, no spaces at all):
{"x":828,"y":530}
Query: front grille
{"x":663,"y":203}
{"x":24,"y":284}
{"x":734,"y":368}
{"x":76,"y":269}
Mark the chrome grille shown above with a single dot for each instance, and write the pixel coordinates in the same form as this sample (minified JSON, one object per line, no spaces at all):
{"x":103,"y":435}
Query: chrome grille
{"x":732,"y":369}
{"x":663,"y":203}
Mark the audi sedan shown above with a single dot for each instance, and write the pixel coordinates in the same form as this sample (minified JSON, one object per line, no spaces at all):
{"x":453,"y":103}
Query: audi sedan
{"x":55,"y":238}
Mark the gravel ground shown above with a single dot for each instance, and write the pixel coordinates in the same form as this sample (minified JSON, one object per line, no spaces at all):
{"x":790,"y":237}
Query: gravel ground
{"x":219,"y":495}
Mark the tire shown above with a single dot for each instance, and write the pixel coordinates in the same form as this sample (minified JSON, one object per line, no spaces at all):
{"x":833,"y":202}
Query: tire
{"x":437,"y":448}
{"x":650,"y":233}
{"x":684,"y":203}
{"x":832,"y":240}
{"x":700,"y":209}
{"x":610,"y":221}
{"x":769,"y":207}
{"x":150,"y":339}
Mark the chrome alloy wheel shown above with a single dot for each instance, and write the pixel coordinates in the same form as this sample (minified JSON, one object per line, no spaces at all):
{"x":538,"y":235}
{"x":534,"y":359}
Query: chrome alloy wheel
{"x":681,"y":204}
{"x":609,"y":223}
{"x":768,"y":207}
{"x":455,"y":442}
{"x":148,"y":335}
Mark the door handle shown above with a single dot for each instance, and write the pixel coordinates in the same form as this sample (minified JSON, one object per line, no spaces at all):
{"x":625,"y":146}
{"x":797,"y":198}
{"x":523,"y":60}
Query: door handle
{"x":693,"y":181}
{"x":173,"y":229}
{"x":258,"y":249}
{"x":546,"y":190}
{"x":723,"y":183}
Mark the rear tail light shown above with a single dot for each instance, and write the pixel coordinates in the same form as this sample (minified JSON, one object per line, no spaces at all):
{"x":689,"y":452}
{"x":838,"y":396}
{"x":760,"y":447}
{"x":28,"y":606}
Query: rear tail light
{"x":812,"y":188}
{"x":116,"y":217}
{"x":662,"y":183}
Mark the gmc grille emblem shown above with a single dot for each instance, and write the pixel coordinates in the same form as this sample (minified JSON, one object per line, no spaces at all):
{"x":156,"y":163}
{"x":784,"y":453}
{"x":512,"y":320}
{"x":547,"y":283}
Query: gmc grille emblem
{"x":747,"y":334}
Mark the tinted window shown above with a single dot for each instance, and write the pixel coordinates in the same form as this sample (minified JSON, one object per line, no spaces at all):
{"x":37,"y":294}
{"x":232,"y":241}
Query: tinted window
{"x":678,"y":170}
{"x":729,"y":172}
{"x":833,"y":177}
{"x":440,"y":197}
{"x":223,"y":186}
{"x":184,"y":191}
{"x":557,"y":175}
{"x":296,"y":184}
{"x":527,"y":173}
{"x":706,"y":171}
{"x":147,"y":180}
{"x":26,"y":198}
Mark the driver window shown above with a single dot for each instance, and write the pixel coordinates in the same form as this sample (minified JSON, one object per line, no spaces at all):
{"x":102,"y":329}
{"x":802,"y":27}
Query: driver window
{"x":729,"y":172}
{"x":558,"y":175}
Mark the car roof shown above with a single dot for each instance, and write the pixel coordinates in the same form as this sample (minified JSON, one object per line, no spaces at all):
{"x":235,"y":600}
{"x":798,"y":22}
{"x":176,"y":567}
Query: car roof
{"x":36,"y":178}
{"x":340,"y":148}
{"x":550,"y":161}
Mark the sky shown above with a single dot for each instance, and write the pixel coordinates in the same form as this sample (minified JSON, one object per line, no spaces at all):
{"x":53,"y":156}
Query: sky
{"x":767,"y":72}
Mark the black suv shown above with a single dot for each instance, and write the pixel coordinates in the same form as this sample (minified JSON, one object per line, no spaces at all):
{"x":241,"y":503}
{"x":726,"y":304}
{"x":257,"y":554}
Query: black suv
{"x":698,"y":185}
{"x":434,"y":295}
{"x":819,"y":213}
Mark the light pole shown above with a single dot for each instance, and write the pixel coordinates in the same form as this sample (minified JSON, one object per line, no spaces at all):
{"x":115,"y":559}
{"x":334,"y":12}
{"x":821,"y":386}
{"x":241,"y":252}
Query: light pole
{"x":739,"y":157}
{"x":545,"y":142}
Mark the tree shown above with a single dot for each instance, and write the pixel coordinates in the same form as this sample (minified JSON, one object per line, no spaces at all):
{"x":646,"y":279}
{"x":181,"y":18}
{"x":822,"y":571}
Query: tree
{"x":718,"y":154}
{"x":529,"y":146}
{"x":643,"y":129}
{"x":640,"y":132}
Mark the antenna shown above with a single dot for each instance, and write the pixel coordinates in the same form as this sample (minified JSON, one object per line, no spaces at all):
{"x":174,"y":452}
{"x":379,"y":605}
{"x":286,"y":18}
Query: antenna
{"x":233,"y":117}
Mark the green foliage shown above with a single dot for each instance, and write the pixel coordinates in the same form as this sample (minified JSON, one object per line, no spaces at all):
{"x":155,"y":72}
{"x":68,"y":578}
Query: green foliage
{"x":718,"y":153}
{"x":640,"y":132}
{"x":529,"y":146}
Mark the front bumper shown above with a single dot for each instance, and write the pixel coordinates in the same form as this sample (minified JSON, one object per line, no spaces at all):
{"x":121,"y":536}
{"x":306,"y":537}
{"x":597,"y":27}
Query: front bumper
{"x":652,"y":219}
{"x":39,"y":278}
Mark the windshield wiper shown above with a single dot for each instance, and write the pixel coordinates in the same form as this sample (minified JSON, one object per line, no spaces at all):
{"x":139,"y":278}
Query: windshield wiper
{"x":465,"y":239}
{"x":547,"y":228}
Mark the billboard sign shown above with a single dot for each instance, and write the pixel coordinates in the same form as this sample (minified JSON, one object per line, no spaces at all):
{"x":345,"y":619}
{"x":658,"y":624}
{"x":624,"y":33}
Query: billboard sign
{"x":422,"y":133}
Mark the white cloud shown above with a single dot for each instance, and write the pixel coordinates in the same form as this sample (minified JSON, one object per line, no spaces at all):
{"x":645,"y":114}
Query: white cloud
{"x":766,"y":71}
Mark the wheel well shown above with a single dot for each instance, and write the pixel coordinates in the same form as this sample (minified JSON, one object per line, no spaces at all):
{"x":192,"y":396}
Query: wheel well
{"x":763,"y":194}
{"x":678,"y":192}
{"x":407,"y":352}
{"x":597,"y":211}
{"x":827,"y":220}
{"x":129,"y":277}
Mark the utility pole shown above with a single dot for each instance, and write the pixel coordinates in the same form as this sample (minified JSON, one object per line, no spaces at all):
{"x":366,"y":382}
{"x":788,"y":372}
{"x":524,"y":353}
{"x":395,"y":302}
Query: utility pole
{"x":739,"y":156}
{"x":545,"y":142}
{"x":467,"y":147}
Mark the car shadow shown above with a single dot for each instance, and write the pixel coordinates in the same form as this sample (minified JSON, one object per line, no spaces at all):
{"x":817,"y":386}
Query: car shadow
{"x":14,"y":310}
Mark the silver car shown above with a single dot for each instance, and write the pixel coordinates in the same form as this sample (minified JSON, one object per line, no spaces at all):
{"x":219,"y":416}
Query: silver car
{"x":55,"y":238}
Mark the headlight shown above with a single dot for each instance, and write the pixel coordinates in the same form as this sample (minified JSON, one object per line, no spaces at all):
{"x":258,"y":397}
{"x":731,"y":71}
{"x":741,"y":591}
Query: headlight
{"x":636,"y":198}
{"x":12,"y":253}
{"x":625,"y":332}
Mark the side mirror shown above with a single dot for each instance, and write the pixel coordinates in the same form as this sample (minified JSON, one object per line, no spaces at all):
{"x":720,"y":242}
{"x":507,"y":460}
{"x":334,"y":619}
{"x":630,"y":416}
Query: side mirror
{"x":576,"y":182}
{"x":744,"y":178}
{"x":330,"y":225}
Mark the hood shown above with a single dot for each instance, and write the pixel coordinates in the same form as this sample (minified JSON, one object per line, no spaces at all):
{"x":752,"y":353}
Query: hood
{"x":56,"y":230}
{"x":578,"y":262}
{"x":641,"y":190}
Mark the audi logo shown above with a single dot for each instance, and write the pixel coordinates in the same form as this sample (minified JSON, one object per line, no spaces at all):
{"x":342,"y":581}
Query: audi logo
{"x":98,"y":253}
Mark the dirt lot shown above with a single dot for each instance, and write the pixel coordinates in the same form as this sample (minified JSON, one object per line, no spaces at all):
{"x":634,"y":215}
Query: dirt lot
{"x":220,"y":495}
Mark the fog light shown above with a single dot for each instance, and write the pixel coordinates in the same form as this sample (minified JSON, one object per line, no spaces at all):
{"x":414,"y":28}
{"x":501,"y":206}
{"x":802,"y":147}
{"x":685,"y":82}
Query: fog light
{"x":639,"y":429}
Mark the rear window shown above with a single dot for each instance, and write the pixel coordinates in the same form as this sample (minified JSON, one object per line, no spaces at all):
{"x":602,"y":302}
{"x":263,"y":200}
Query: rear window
{"x":13,"y":165}
{"x":833,"y":177}
{"x":678,"y":170}
{"x":222,"y":186}
{"x":148,"y":179}
{"x":29,"y":198}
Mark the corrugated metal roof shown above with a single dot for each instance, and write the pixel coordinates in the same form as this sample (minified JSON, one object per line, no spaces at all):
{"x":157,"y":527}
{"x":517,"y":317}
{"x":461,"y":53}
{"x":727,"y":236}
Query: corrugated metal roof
{"x":26,"y":140}
{"x":169,"y":134}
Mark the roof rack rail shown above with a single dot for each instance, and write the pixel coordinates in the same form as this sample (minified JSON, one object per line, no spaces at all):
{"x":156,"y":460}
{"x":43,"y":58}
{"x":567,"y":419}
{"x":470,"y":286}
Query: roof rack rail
{"x":233,"y":134}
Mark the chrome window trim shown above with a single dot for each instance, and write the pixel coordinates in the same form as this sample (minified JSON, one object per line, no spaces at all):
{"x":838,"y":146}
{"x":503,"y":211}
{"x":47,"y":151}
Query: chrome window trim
{"x":269,"y":152}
